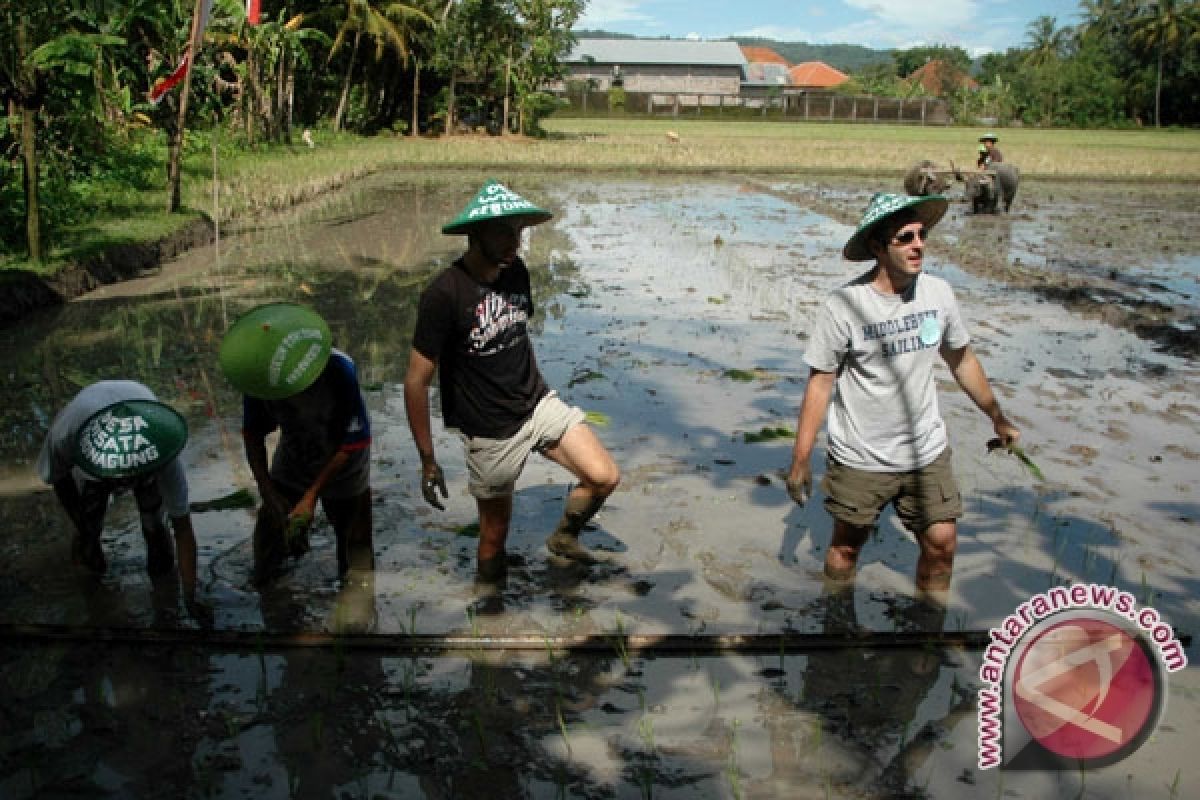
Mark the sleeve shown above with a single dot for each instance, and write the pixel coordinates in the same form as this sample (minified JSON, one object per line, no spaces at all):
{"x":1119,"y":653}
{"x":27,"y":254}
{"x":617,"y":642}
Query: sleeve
{"x":357,"y":426}
{"x":954,"y":331}
{"x":257,"y":419}
{"x":172,"y":484}
{"x":435,"y":322}
{"x":830,"y":339}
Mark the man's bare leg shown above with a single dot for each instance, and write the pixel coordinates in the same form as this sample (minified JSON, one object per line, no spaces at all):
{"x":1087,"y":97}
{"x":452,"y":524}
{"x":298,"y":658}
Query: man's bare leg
{"x":582,"y":454}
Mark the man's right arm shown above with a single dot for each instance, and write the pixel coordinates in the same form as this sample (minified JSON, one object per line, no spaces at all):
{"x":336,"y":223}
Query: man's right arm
{"x":417,"y":381}
{"x":812,"y":416}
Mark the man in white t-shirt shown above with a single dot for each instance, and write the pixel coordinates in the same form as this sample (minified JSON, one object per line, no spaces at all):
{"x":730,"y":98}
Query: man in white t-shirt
{"x":871,"y":359}
{"x":113,"y":437}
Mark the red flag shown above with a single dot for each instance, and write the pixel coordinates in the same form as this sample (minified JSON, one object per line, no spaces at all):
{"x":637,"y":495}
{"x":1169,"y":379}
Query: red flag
{"x":253,"y":11}
{"x":164,"y":85}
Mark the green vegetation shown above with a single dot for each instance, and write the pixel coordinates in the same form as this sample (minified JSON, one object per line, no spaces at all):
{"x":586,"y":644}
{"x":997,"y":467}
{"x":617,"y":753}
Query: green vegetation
{"x":320,"y":93}
{"x":768,"y":435}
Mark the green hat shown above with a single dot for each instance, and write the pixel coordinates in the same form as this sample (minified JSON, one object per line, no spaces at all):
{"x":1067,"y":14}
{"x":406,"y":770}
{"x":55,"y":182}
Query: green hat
{"x":129,"y":438}
{"x":989,"y":136}
{"x":494,"y":201}
{"x":276,"y":350}
{"x":928,"y":210}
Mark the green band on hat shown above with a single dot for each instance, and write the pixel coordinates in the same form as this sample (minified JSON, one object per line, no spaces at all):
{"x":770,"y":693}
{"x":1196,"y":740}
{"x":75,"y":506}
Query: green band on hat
{"x":926,"y":209}
{"x":496,"y":201}
{"x":276,"y":350}
{"x":129,"y":438}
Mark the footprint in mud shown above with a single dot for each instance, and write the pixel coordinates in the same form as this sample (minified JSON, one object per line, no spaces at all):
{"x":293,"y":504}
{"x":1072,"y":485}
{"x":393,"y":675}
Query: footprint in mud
{"x":727,"y":580}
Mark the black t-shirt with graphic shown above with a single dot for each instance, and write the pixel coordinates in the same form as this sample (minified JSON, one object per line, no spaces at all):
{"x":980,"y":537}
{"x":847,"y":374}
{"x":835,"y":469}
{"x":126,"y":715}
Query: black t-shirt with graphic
{"x":478,"y":335}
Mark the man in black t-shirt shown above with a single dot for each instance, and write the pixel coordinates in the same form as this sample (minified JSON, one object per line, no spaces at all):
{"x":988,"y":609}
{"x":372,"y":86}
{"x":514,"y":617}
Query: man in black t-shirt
{"x":472,"y":328}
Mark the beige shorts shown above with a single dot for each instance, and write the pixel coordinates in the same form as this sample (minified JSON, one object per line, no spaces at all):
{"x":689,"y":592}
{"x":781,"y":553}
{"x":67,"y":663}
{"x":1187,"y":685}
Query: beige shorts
{"x":921,"y":497}
{"x":493,"y":465}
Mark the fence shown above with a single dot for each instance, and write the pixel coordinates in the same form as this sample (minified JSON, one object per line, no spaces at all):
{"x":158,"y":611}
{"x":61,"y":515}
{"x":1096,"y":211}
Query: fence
{"x":793,"y":105}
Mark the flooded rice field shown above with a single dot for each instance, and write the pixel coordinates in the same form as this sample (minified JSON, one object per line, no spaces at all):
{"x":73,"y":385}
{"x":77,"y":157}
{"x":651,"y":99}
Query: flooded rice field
{"x":675,"y":312}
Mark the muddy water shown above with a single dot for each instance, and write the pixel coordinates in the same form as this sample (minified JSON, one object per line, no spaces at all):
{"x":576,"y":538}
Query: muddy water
{"x":659,"y":298}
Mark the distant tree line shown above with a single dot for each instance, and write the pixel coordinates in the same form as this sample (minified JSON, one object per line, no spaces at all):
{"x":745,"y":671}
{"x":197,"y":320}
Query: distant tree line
{"x":1128,"y":62}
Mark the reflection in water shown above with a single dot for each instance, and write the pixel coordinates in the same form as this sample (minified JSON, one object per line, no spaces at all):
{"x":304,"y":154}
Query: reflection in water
{"x":861,"y":718}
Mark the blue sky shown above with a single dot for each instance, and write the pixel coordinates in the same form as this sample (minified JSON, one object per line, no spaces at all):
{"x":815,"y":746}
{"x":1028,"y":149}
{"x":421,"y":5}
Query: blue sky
{"x":977,"y":26}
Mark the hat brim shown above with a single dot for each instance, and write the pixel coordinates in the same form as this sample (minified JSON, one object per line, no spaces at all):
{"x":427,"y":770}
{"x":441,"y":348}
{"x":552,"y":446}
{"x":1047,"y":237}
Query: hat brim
{"x":927,"y":210}
{"x":528,"y":218}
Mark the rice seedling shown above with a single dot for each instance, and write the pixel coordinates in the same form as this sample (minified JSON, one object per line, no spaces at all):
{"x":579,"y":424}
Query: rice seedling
{"x":1173,"y":789}
{"x":562,"y":726}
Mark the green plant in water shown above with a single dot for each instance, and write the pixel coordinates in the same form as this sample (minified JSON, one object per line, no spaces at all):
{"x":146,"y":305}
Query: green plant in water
{"x":619,"y":642}
{"x":597,"y":418}
{"x":1026,"y":461}
{"x":766,"y":434}
{"x":732,"y":770}
{"x":562,"y":726}
{"x":471,"y":530}
{"x":742,"y":375}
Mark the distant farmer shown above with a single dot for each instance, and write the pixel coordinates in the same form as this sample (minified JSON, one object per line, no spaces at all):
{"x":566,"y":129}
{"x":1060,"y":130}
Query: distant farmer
{"x":872,"y":354}
{"x":280,"y":356}
{"x":472,"y":328}
{"x":989,"y":154}
{"x":113,"y":437}
{"x":981,"y":161}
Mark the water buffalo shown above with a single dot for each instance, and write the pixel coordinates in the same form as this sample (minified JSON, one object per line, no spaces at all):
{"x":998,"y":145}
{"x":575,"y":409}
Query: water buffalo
{"x":981,"y":192}
{"x":924,"y":178}
{"x":1008,"y":176}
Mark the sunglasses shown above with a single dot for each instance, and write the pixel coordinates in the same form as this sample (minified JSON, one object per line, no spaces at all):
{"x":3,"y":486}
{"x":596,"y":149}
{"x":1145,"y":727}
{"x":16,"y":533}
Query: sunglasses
{"x":908,"y":236}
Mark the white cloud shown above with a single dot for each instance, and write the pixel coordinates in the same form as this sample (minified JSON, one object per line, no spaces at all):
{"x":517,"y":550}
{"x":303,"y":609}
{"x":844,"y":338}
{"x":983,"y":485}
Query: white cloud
{"x":910,"y":16}
{"x":605,"y":13}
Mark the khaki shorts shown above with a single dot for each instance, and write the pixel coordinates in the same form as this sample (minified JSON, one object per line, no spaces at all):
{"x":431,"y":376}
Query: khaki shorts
{"x":921,"y":497}
{"x":493,"y":465}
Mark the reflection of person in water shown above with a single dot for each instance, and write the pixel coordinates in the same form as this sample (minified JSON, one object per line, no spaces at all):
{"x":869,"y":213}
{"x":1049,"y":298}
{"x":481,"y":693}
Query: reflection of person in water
{"x":867,"y":700}
{"x":323,"y":708}
{"x":113,"y":720}
{"x":114,"y":437}
{"x":495,"y":726}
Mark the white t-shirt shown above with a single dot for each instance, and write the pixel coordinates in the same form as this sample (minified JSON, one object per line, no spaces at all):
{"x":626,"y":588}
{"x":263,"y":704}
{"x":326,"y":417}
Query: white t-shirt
{"x":884,"y":415}
{"x":56,"y":461}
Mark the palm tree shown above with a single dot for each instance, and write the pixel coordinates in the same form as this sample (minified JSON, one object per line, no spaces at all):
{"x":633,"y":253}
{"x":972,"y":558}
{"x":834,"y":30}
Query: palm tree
{"x":1163,"y":25}
{"x":388,"y":22}
{"x":1046,"y":41}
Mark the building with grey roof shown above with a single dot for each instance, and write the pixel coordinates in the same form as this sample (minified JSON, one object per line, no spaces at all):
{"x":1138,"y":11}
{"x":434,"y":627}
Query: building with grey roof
{"x":669,"y":66}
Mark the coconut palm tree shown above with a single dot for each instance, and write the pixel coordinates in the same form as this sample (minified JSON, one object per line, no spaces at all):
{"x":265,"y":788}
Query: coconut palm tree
{"x":388,"y":22}
{"x":1163,"y":25}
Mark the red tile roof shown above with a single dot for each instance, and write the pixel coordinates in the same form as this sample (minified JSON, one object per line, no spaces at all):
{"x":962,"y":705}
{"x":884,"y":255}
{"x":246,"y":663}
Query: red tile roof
{"x":817,"y":74}
{"x":762,"y":55}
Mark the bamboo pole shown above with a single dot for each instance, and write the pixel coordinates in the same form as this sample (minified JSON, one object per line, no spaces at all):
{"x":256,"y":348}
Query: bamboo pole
{"x":175,"y":152}
{"x":659,"y":643}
